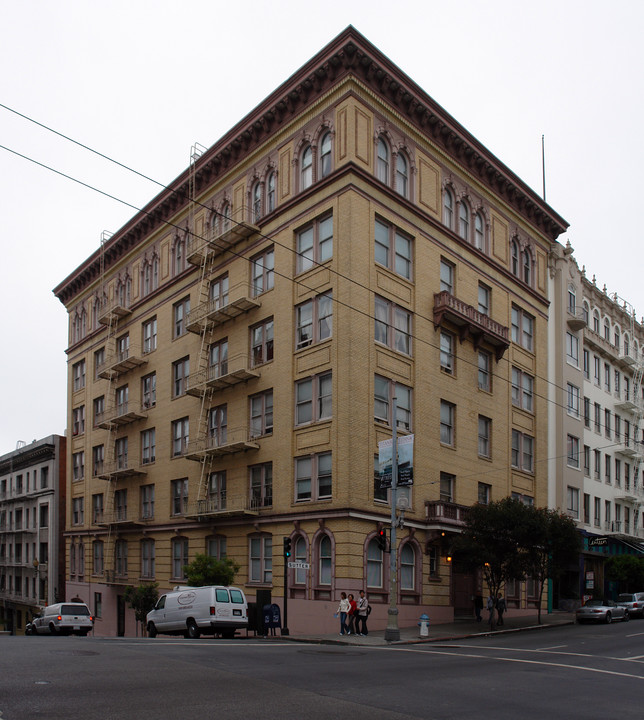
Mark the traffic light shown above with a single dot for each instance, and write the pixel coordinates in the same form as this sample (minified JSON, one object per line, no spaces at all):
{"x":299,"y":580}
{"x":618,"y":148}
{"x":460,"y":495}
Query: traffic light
{"x":382,"y":539}
{"x":287,"y":547}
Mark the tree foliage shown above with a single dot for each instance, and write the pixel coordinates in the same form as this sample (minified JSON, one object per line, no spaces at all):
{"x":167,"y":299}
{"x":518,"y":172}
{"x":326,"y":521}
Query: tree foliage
{"x":627,"y":570}
{"x":511,"y":541}
{"x":207,"y":570}
{"x":142,"y":599}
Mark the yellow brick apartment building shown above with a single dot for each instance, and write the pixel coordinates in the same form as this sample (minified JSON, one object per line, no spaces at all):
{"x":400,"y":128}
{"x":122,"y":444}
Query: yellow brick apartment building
{"x":235,"y":349}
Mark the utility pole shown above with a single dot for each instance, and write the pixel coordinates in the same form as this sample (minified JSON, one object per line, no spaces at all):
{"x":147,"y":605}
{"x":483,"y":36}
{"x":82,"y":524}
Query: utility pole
{"x":392,"y":632}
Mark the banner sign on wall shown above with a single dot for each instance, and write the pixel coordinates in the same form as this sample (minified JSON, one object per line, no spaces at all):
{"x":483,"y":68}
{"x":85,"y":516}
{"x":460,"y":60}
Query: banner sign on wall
{"x":405,"y":461}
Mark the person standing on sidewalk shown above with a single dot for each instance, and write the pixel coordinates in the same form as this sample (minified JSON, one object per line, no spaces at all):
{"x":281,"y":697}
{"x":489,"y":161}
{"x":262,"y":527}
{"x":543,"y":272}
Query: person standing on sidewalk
{"x":478,"y":607}
{"x":501,"y":607}
{"x":363,"y":610}
{"x":353,"y":614}
{"x":343,"y":609}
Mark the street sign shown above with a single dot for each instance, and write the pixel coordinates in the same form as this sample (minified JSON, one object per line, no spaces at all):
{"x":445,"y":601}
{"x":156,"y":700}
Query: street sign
{"x":298,"y":565}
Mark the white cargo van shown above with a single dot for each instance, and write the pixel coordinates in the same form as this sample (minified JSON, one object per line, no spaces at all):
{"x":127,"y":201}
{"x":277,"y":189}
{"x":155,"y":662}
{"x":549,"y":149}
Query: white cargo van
{"x":69,"y":618}
{"x":190,"y":611}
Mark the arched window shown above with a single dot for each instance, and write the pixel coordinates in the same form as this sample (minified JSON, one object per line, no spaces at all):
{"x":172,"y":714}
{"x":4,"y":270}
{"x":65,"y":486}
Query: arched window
{"x":270,"y":193}
{"x":299,"y":555}
{"x":607,"y":329}
{"x":586,"y":312}
{"x":514,"y":258}
{"x":146,"y":273}
{"x":306,"y":168}
{"x":155,"y":272}
{"x":407,"y":567}
{"x":96,"y":311}
{"x":572,"y":299}
{"x":375,"y":565}
{"x":325,"y":155}
{"x":179,"y":557}
{"x":178,"y":255}
{"x":464,"y":221}
{"x":325,"y":561}
{"x":226,"y":214}
{"x":84,"y":322}
{"x":448,"y":208}
{"x":257,"y":202}
{"x":383,"y":162}
{"x":402,"y":175}
{"x":479,"y":232}
{"x":596,"y":321}
{"x":527,"y":267}
{"x":627,"y":345}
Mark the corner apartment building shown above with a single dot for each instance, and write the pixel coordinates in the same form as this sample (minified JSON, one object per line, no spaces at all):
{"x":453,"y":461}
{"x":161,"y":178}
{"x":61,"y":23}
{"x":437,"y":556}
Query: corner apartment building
{"x":235,"y":349}
{"x":32,"y":521}
{"x":597,"y":351}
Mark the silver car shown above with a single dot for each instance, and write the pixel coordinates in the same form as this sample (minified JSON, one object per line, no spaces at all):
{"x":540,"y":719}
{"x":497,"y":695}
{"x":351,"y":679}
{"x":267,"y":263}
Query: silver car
{"x":633,"y":602}
{"x":601,"y":611}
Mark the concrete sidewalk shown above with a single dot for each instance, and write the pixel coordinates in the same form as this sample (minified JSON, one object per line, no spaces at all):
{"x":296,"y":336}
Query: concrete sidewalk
{"x":437,"y":633}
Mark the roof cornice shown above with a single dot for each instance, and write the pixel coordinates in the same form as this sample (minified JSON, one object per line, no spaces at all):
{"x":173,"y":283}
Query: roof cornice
{"x":350,"y":53}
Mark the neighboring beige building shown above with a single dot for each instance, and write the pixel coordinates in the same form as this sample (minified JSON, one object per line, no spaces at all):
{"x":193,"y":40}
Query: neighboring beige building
{"x":596,"y":406}
{"x":32,"y":520}
{"x":243,"y":336}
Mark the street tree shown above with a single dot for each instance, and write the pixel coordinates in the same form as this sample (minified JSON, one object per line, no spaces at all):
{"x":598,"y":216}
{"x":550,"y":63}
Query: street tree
{"x":142,"y":599}
{"x":207,"y":570}
{"x":493,"y":540}
{"x":627,"y":570}
{"x":551,"y":544}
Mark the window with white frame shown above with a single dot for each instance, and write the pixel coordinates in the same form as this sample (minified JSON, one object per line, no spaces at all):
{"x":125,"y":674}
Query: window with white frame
{"x":256,"y":199}
{"x":218,"y":293}
{"x":382,"y":163}
{"x":313,"y":399}
{"x":375,"y":565}
{"x":98,"y":457}
{"x":121,"y":450}
{"x":149,"y":391}
{"x":180,"y":436}
{"x":218,"y":359}
{"x":447,"y":356}
{"x":120,"y":504}
{"x":261,"y":559}
{"x":180,"y":312}
{"x":393,"y":249}
{"x":148,"y":446}
{"x":78,"y":465}
{"x":479,"y":232}
{"x":315,"y":244}
{"x":97,"y":507}
{"x":99,"y":362}
{"x":326,"y":157}
{"x":179,"y":549}
{"x":522,"y":328}
{"x":78,"y":420}
{"x":447,"y":422}
{"x":485,"y":299}
{"x":178,"y":255}
{"x":447,"y":274}
{"x":392,"y":325}
{"x":522,"y":389}
{"x":464,"y":220}
{"x":78,"y":510}
{"x":261,"y":484}
{"x":261,"y":414}
{"x":485,"y":437}
{"x":522,"y":451}
{"x":263,"y":272}
{"x":150,"y":335}
{"x":218,"y":425}
{"x":216,"y":547}
{"x":484,"y":493}
{"x":217,"y":490}
{"x":448,"y":208}
{"x":484,"y":373}
{"x":270,"y":193}
{"x":384,"y":392}
{"x":313,"y":477}
{"x":314,"y":320}
{"x":306,"y":168}
{"x":147,"y":502}
{"x":527,"y":267}
{"x":402,"y":175}
{"x":407,"y":567}
{"x":180,"y":374}
{"x":261,"y":342}
{"x":78,"y":372}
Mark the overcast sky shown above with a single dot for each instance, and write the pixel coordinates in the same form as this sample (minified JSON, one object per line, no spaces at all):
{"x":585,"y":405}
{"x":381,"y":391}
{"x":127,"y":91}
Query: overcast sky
{"x":141,"y":81}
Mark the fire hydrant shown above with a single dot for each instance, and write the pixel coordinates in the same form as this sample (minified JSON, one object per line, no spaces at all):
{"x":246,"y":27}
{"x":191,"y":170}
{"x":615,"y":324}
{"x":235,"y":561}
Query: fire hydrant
{"x":424,"y":625}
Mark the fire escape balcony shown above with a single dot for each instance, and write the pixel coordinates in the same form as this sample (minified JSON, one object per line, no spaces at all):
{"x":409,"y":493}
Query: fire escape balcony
{"x":228,"y":232}
{"x":114,"y":311}
{"x":121,"y":414}
{"x":471,"y":323}
{"x":119,"y":469}
{"x":224,"y":505}
{"x":121,"y":363}
{"x":121,"y":517}
{"x":631,"y":449}
{"x":597,"y":342}
{"x":225,"y":442}
{"x":627,"y":404}
{"x":215,"y":312}
{"x":223,"y":375}
{"x":445,"y":515}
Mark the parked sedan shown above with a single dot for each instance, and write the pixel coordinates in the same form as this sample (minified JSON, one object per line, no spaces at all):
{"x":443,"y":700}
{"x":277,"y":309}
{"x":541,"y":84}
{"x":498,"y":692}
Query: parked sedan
{"x":601,"y":611}
{"x":633,"y":602}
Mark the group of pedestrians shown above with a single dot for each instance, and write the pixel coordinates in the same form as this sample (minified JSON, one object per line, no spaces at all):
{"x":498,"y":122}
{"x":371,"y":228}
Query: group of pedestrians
{"x":356,"y":611}
{"x":498,"y":603}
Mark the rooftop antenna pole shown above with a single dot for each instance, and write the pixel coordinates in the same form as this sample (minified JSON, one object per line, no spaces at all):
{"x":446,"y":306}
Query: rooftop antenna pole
{"x":543,"y":165}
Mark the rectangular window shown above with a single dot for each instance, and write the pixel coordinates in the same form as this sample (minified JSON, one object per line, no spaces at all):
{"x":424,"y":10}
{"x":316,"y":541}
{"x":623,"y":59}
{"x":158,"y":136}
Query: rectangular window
{"x":573,"y":451}
{"x":314,"y":320}
{"x":97,"y":553}
{"x":315,"y":244}
{"x":120,"y":553}
{"x":572,"y":349}
{"x":447,"y":356}
{"x":597,"y":518}
{"x":485,"y":375}
{"x":99,"y":362}
{"x":261,"y":342}
{"x":180,"y":313}
{"x":150,"y":335}
{"x":180,"y":436}
{"x":447,"y":423}
{"x":607,"y":423}
{"x":149,"y":391}
{"x":99,"y":410}
{"x":179,"y":557}
{"x":384,"y":392}
{"x":78,"y":420}
{"x":586,"y":509}
{"x":447,"y":272}
{"x":120,"y":505}
{"x":313,"y":479}
{"x":608,"y":460}
{"x":216,"y":547}
{"x":148,"y":446}
{"x":586,"y":356}
{"x":572,"y":392}
{"x":522,"y":451}
{"x":218,"y":359}
{"x":123,"y":347}
{"x":97,"y":508}
{"x":484,"y":493}
{"x":586,"y":460}
{"x":598,"y":417}
{"x":263,"y":272}
{"x":313,"y":399}
{"x":485,"y":299}
{"x":261,"y":560}
{"x":597,"y":370}
{"x":522,"y":390}
{"x":587,"y":412}
{"x":447,"y":485}
{"x":261,"y":414}
{"x":121,"y":449}
{"x":597,"y":459}
{"x":98,"y":456}
{"x":485,"y":436}
{"x":218,"y":293}
{"x":393,"y":249}
{"x":78,"y":511}
{"x":78,"y":465}
{"x":179,"y":496}
{"x":261,"y":485}
{"x":392,"y":326}
{"x":147,"y":502}
{"x":522,"y":328}
{"x":147,"y":558}
{"x":180,"y":374}
{"x":78,"y":372}
{"x":218,"y":426}
{"x":607,"y":374}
